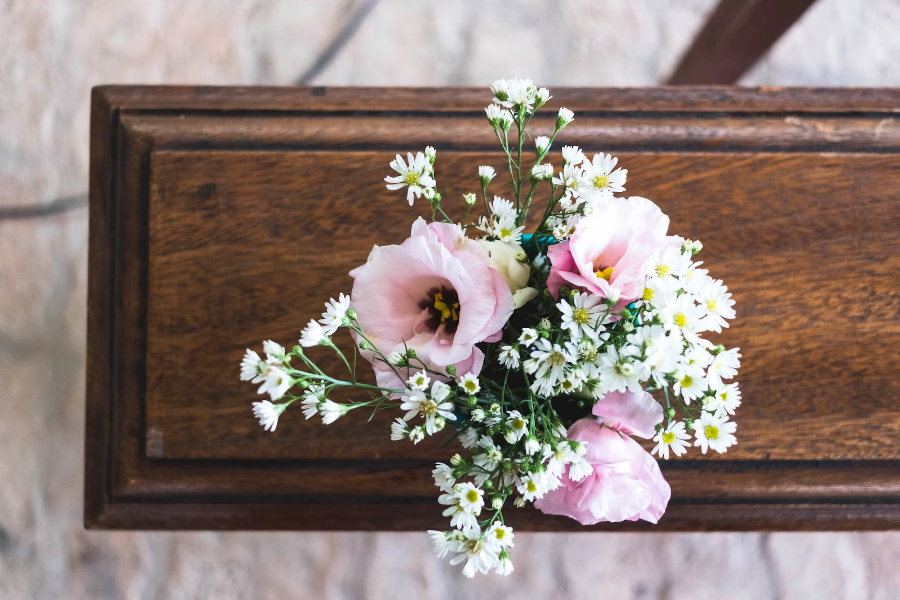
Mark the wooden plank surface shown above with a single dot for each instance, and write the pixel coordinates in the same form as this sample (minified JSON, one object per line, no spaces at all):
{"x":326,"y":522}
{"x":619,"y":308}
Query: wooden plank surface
{"x":215,"y":228}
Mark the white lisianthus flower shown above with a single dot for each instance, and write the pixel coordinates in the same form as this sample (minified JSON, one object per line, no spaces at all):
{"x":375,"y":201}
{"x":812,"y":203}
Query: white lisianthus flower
{"x":312,"y":335}
{"x":414,"y":176}
{"x":723,"y":366}
{"x":335,"y":311}
{"x":515,"y":273}
{"x":672,"y":437}
{"x":268,"y":414}
{"x":714,"y":431}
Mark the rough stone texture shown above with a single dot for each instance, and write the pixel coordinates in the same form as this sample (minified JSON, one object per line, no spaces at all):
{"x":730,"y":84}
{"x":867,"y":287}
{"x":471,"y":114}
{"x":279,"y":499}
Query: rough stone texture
{"x":52,"y":52}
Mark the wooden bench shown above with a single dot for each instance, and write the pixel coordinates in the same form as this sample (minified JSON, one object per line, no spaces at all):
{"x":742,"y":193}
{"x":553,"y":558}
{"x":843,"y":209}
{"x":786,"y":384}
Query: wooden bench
{"x":221,"y":217}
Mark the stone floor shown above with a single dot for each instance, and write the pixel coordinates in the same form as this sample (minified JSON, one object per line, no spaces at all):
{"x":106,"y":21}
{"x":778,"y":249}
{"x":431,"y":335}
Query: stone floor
{"x":52,"y":52}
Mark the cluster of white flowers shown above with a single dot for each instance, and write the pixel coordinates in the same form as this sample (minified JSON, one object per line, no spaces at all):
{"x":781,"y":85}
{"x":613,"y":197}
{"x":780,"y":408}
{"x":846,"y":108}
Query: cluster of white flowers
{"x":564,"y":345}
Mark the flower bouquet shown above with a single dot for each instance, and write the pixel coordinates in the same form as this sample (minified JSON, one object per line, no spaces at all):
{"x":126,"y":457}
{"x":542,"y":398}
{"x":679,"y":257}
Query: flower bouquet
{"x":541,"y":353}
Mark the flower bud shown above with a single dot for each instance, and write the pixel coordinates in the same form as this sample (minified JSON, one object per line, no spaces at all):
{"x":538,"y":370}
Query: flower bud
{"x":495,"y":408}
{"x":469,"y":199}
{"x":485,"y":174}
{"x":451,"y":370}
{"x":477,"y":415}
{"x":410,"y":352}
{"x":519,"y":502}
{"x":430,"y":154}
{"x":541,"y":97}
{"x":472,"y":401}
{"x":541,"y":145}
{"x":564,"y":117}
{"x":456,"y":460}
{"x":532,"y":446}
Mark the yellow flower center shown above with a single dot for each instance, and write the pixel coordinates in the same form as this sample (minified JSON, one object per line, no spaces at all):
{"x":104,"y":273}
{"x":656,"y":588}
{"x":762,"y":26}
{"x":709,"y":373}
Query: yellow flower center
{"x":531,"y":487}
{"x":411,"y":179}
{"x":473,"y":546}
{"x":711,"y":304}
{"x":581,"y":316}
{"x":711,"y":432}
{"x":723,"y":396}
{"x":567,"y":385}
{"x":518,"y":423}
{"x":556,"y":359}
{"x":470,"y":386}
{"x":447,"y":312}
{"x":505,"y":233}
{"x":472,"y":496}
{"x":648,"y":295}
{"x":604,"y":273}
{"x":500,"y":534}
{"x":428,"y":408}
{"x":686,"y":381}
{"x":601,"y":181}
{"x":680,"y":320}
{"x":668,"y":437}
{"x":662,"y":270}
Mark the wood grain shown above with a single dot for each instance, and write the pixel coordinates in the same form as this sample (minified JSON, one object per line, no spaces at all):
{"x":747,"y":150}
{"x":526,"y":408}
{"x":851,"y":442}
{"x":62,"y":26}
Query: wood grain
{"x":224,"y":216}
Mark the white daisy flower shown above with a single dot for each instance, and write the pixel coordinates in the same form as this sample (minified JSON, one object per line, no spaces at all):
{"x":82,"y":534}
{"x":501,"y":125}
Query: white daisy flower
{"x":334,"y":314}
{"x":528,"y":337}
{"x":276,"y":383}
{"x":506,"y":230}
{"x":399,"y":430}
{"x":488,"y":460}
{"x":619,"y":371}
{"x":468,"y":438}
{"x":443,"y":477}
{"x":548,"y":363}
{"x":313,"y":397}
{"x":443,"y":542}
{"x":517,"y":426}
{"x":274,"y":352}
{"x":531,"y":446}
{"x":714,"y":431}
{"x":564,"y":117}
{"x":541,"y":145}
{"x":666,"y":266}
{"x":416,"y":402}
{"x":723,"y":366}
{"x":414,"y":176}
{"x":485,"y":174}
{"x":312,"y":335}
{"x":331,"y":411}
{"x":556,"y":460}
{"x":585,"y":316}
{"x":504,"y":564}
{"x":689,"y":383}
{"x":682,"y":315}
{"x":469,"y":383}
{"x":717,"y":302}
{"x":503,"y":208}
{"x":495,"y":114}
{"x":727,"y":398}
{"x":532,"y":486}
{"x":480,"y":556}
{"x":600,"y":181}
{"x":542,"y":96}
{"x":694,"y":280}
{"x":579,"y":468}
{"x":542,"y":172}
{"x":419,"y":381}
{"x":253,"y":368}
{"x":416,"y":434}
{"x":500,"y":535}
{"x":509,"y":357}
{"x":469,"y":498}
{"x":268,"y":414}
{"x":672,"y":437}
{"x":570,"y":178}
{"x":572,"y":155}
{"x":396,"y":359}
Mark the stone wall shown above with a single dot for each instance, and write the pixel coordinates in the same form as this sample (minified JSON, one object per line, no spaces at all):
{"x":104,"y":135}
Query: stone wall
{"x":53,"y":51}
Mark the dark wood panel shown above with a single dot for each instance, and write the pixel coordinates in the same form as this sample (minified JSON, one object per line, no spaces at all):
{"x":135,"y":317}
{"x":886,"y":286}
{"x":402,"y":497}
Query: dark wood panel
{"x":197,"y":251}
{"x":736,"y":35}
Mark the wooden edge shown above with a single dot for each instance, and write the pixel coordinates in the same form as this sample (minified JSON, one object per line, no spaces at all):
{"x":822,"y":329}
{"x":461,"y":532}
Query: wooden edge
{"x":100,"y":243}
{"x":631,"y":99}
{"x":422,"y":516}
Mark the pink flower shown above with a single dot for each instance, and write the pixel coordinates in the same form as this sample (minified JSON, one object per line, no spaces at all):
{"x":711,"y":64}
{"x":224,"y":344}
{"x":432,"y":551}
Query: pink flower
{"x":626,"y":484}
{"x":607,"y":252}
{"x":436,"y":294}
